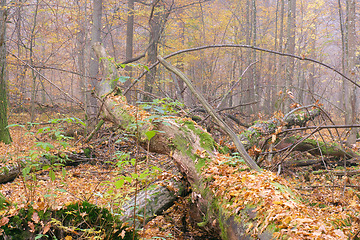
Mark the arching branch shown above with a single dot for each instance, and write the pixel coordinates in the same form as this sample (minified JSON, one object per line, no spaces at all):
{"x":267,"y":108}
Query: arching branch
{"x":301,"y":58}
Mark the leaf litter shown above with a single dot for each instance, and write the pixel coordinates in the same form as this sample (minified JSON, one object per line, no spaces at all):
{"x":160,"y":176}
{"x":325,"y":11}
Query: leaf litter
{"x":318,"y":213}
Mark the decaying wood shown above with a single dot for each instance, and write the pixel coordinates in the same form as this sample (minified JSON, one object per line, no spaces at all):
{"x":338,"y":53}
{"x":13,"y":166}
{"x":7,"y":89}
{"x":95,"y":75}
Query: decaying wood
{"x":154,"y":201}
{"x":260,"y":129}
{"x":11,"y":171}
{"x":320,"y":163}
{"x":183,"y":140}
{"x":318,"y":147}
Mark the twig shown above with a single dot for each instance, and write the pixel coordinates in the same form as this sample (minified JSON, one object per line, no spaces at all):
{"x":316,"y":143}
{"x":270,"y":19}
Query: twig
{"x":77,"y":101}
{"x":236,"y":83}
{"x":321,"y":127}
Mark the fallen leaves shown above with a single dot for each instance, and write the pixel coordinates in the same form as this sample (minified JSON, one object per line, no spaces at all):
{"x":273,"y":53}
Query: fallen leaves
{"x":276,"y":203}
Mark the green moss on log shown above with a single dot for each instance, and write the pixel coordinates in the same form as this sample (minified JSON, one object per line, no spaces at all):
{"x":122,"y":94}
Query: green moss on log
{"x":206,"y":140}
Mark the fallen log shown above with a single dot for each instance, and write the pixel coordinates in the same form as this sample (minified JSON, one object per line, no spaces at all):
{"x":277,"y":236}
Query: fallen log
{"x":317,"y":148}
{"x":215,"y":185}
{"x":153,"y":201}
{"x":298,"y":116}
{"x":9,"y":172}
{"x":190,"y":147}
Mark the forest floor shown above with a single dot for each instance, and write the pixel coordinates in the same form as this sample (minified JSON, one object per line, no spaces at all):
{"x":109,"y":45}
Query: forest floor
{"x":95,"y":181}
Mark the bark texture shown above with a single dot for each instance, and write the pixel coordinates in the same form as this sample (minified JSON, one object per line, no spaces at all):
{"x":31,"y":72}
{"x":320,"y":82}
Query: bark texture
{"x":4,"y":131}
{"x":191,"y":149}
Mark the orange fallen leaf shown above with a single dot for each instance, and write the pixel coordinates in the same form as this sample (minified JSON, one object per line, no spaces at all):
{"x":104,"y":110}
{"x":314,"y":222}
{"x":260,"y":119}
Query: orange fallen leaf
{"x":46,"y":228}
{"x":35,"y":217}
{"x":31,"y":226}
{"x":4,"y":221}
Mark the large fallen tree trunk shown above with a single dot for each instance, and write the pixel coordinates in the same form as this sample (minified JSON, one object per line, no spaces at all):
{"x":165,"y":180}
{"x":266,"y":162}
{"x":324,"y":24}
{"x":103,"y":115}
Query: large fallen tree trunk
{"x":189,"y":145}
{"x":219,"y":210}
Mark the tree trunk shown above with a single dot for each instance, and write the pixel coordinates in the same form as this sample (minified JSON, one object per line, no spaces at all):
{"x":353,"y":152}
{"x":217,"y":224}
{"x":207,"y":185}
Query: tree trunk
{"x":91,"y":104}
{"x":33,"y":73}
{"x":290,"y":62}
{"x":350,"y":90}
{"x":157,"y":23}
{"x":129,"y":43}
{"x":81,"y":40}
{"x":4,"y":131}
{"x":279,"y":67}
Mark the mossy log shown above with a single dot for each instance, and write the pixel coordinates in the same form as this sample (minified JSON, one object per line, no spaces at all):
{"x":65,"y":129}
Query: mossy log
{"x":253,"y":134}
{"x":191,"y":148}
{"x":315,"y":147}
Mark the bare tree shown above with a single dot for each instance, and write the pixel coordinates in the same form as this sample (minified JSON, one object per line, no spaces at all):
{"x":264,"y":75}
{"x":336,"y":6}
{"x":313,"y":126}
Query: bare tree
{"x":4,"y":131}
{"x":91,"y":103}
{"x":129,"y":42}
{"x":158,"y":17}
{"x":350,"y":56}
{"x":290,"y":49}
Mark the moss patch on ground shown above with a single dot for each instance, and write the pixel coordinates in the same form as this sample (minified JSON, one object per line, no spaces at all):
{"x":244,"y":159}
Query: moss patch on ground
{"x":81,"y":219}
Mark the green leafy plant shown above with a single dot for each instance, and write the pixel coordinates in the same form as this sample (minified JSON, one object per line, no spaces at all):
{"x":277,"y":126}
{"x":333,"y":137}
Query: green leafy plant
{"x":234,"y":160}
{"x":163,"y":107}
{"x":42,"y":149}
{"x":81,"y":220}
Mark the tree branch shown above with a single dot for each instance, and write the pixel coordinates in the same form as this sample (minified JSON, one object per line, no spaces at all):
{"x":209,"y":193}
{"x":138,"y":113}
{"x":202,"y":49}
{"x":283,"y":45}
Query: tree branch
{"x":249,"y":161}
{"x":74,"y":99}
{"x":301,"y":58}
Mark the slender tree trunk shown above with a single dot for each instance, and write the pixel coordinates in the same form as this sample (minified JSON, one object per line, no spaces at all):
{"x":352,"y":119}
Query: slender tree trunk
{"x":290,"y":62}
{"x":92,"y":108}
{"x":157,"y":22}
{"x":33,"y":74}
{"x":248,"y":94}
{"x":20,"y":70}
{"x":311,"y":68}
{"x":129,"y":43}
{"x":350,"y":90}
{"x":255,"y":82}
{"x":4,"y":131}
{"x":81,"y":43}
{"x":155,"y":29}
{"x":280,"y":67}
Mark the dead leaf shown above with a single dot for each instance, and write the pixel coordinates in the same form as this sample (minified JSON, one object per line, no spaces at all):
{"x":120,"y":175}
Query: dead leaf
{"x":273,"y":138}
{"x":122,"y":234}
{"x":31,"y":226}
{"x":340,"y":234}
{"x":47,"y":228}
{"x":4,"y":221}
{"x":35,"y":217}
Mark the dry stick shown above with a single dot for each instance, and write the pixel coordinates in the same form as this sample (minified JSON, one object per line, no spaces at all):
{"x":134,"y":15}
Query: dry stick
{"x":301,"y":58}
{"x":321,"y":127}
{"x":294,"y":146}
{"x":231,"y":88}
{"x":136,"y":164}
{"x":240,"y":147}
{"x":77,"y":101}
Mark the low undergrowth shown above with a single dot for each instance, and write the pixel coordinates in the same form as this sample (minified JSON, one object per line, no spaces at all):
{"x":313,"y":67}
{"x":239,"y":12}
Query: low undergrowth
{"x":79,"y":220}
